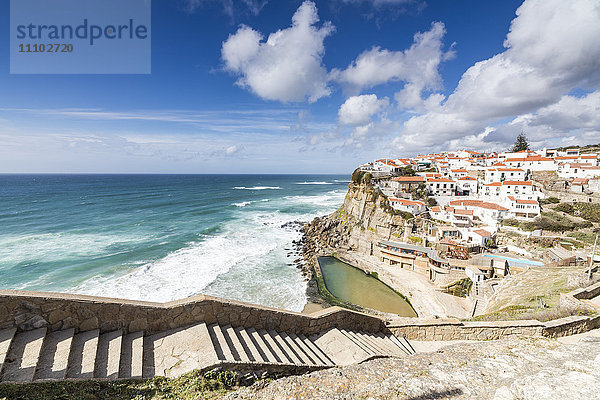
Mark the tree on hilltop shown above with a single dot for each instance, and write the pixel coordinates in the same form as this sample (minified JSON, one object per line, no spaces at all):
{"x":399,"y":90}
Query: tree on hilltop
{"x":521,"y":143}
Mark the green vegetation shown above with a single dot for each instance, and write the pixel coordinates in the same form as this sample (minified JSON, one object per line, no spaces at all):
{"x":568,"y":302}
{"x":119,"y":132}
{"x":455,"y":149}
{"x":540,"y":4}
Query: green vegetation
{"x":549,"y":200}
{"x":359,"y":176}
{"x":511,"y":222}
{"x":415,"y":239}
{"x":521,"y":143}
{"x":554,"y":222}
{"x":459,"y":288}
{"x":193,"y":385}
{"x":407,"y":171}
{"x":585,"y":237}
{"x":587,"y":211}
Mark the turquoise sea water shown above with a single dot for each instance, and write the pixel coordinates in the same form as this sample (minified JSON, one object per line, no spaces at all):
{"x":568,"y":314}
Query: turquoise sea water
{"x":160,"y":237}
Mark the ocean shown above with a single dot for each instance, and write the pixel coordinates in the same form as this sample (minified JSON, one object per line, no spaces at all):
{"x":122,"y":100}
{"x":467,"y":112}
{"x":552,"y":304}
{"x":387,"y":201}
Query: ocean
{"x":161,"y":237}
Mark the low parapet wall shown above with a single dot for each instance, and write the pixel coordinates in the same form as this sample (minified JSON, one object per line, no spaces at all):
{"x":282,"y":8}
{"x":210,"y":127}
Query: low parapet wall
{"x":587,"y":292}
{"x":453,"y":329}
{"x":57,"y":311}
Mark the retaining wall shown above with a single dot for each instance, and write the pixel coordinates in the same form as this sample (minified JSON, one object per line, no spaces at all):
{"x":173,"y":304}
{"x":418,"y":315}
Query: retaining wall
{"x":57,"y":311}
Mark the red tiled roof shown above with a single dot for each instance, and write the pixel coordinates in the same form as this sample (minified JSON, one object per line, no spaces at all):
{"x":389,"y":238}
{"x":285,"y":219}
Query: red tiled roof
{"x":440,"y":180}
{"x":482,"y":232}
{"x":406,"y":202}
{"x":532,"y":158}
{"x":448,"y":241}
{"x":463,"y":212}
{"x":409,"y":179}
{"x":518,"y":183}
{"x":478,"y":203}
{"x":519,"y":201}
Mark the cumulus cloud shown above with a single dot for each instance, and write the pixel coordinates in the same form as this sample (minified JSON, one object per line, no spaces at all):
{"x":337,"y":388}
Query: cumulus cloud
{"x":551,"y":49}
{"x":358,"y":110}
{"x":416,"y":66}
{"x":287,"y":66}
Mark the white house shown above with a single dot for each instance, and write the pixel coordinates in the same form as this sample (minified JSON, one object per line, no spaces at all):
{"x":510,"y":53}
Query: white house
{"x":411,"y":206}
{"x":531,"y":163}
{"x":479,"y":236}
{"x":500,"y":190}
{"x":499,"y":174}
{"x":467,"y":186}
{"x":578,"y":170}
{"x":523,"y":209}
{"x":441,"y":186}
{"x":580,"y":185}
{"x":487,"y":212}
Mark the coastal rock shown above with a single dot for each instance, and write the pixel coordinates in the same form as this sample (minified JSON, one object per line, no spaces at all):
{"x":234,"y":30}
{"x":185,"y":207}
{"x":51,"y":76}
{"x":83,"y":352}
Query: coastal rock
{"x":485,"y":370}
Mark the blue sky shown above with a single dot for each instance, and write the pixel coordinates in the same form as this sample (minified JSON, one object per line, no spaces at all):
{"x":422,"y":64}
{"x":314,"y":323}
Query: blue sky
{"x":338,"y":83}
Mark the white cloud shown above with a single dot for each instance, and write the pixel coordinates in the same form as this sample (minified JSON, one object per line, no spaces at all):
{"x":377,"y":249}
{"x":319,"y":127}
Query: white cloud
{"x":287,"y":66}
{"x":231,"y":150}
{"x":358,"y":110}
{"x":417,"y":66}
{"x":552,"y":48}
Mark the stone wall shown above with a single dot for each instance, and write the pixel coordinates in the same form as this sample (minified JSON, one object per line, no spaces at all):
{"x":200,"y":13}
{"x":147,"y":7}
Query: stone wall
{"x":30,"y":310}
{"x":587,"y":293}
{"x":454,"y":329}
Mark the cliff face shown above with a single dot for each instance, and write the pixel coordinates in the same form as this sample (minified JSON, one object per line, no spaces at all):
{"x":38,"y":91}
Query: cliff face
{"x":365,"y":218}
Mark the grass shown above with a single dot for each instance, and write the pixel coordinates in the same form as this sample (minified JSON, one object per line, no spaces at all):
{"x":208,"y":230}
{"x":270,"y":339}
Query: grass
{"x":193,"y":385}
{"x":460,"y":288}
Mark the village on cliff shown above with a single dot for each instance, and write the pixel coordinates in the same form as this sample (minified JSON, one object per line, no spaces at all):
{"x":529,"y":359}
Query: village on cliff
{"x":467,"y":197}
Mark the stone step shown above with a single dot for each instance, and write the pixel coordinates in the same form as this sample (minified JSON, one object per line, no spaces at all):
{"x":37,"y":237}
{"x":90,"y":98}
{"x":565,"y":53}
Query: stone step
{"x":316,"y":350}
{"x":108,"y":356}
{"x":286,"y":350}
{"x":368,"y":351}
{"x":390,"y":346}
{"x":407,"y":345}
{"x":235,"y":344}
{"x":339,"y":348}
{"x":54,"y":358}
{"x":23,"y":356}
{"x":298,"y":352}
{"x":132,"y":352}
{"x":6,"y":337}
{"x":177,"y":351}
{"x":402,"y":344}
{"x":220,"y":343}
{"x":365,"y":340}
{"x":83,"y":355}
{"x":306,"y":351}
{"x":249,"y":345}
{"x":264,"y":350}
{"x":273,"y":347}
{"x":379,"y":348}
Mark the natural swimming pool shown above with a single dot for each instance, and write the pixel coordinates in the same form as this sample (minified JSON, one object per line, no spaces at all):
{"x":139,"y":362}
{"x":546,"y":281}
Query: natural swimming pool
{"x":352,"y":285}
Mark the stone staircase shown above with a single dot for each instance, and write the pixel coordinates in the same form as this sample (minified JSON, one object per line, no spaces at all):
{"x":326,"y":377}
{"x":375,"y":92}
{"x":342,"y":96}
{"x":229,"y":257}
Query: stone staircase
{"x":40,"y":355}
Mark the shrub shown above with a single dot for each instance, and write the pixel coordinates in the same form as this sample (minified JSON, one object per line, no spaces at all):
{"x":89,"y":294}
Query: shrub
{"x":550,"y":200}
{"x":415,"y":239}
{"x":511,"y":222}
{"x":565,"y":207}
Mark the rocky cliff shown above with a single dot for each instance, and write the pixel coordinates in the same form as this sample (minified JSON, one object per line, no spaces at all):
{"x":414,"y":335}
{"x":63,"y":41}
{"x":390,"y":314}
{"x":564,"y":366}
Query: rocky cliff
{"x":365,"y":218}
